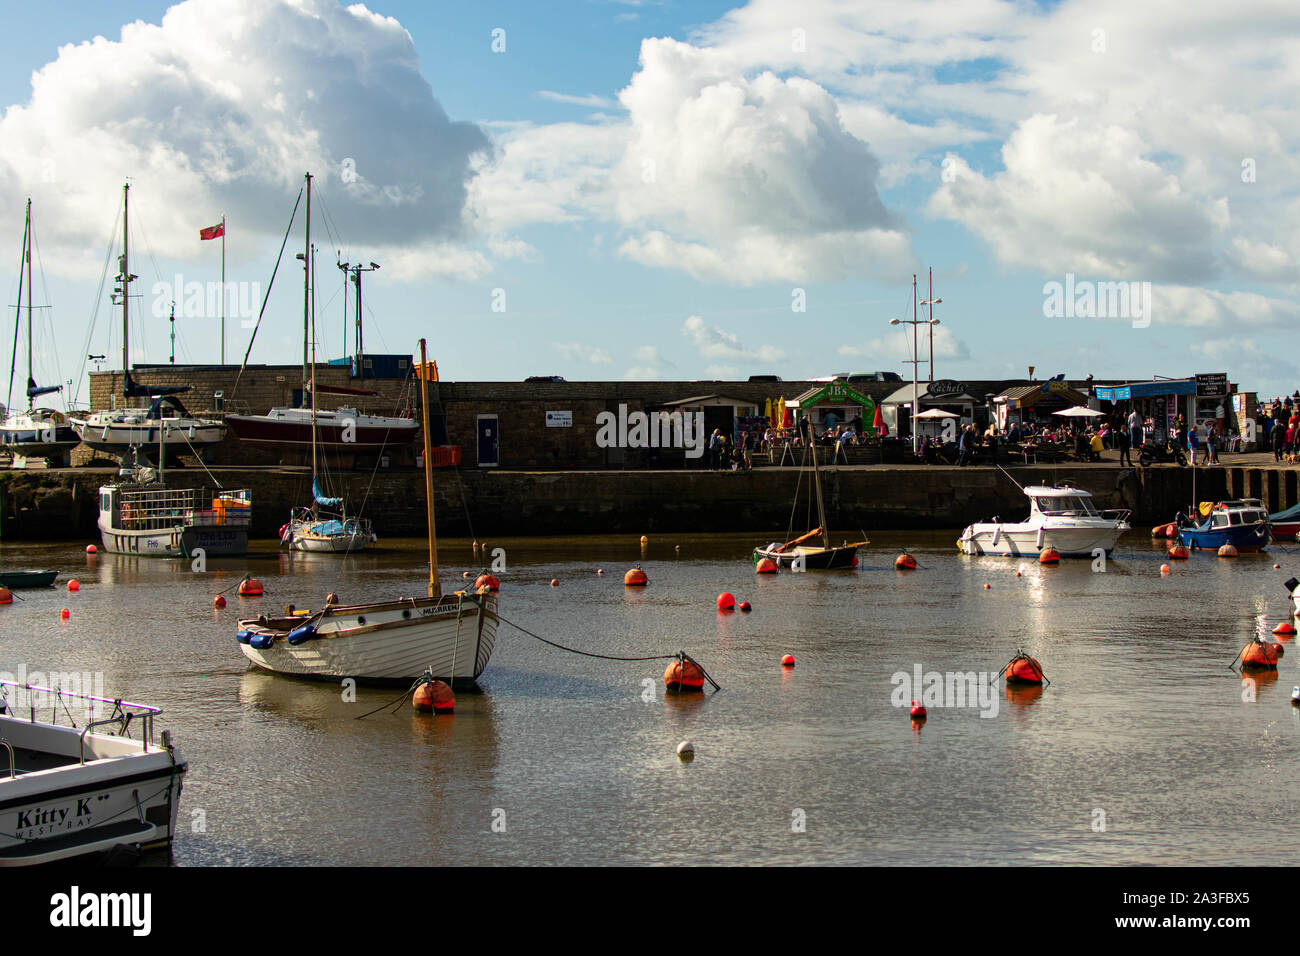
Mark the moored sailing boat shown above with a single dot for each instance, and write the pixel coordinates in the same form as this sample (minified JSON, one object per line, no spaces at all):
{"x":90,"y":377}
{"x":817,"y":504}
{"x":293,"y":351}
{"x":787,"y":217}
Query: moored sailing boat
{"x":449,"y":637}
{"x":37,"y":432}
{"x":800,"y":554}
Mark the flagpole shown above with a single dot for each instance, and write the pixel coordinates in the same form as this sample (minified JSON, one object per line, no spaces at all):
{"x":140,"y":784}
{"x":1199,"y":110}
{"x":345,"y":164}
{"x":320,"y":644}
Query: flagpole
{"x":223,"y":288}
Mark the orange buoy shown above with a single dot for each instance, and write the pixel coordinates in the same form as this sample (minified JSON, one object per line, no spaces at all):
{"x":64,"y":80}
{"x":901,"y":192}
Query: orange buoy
{"x":65,"y":614}
{"x":1023,"y":669}
{"x":6,"y":596}
{"x":635,"y":578}
{"x":91,"y":549}
{"x":766,"y":566}
{"x":644,"y":541}
{"x":1049,"y":556}
{"x":1259,"y":656}
{"x":1017,"y":574}
{"x":918,"y":710}
{"x":600,"y":570}
{"x":1276,"y":566}
{"x":787,"y":661}
{"x":555,"y":582}
{"x":684,"y":676}
{"x":746,"y":607}
{"x":489,"y":581}
{"x":250,"y":587}
{"x":1227,"y":551}
{"x":464,"y":574}
{"x":332,"y":598}
{"x":1164,"y":569}
{"x":433,"y":696}
{"x":905,"y":562}
{"x":987,"y":587}
{"x":1285,"y":629}
{"x":74,"y":585}
{"x":219,"y":601}
{"x":1178,"y":552}
{"x":726,"y":601}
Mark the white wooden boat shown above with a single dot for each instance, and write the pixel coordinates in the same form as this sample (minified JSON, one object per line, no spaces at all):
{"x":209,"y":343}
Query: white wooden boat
{"x":1062,"y":518}
{"x":451,"y":637}
{"x":68,"y":792}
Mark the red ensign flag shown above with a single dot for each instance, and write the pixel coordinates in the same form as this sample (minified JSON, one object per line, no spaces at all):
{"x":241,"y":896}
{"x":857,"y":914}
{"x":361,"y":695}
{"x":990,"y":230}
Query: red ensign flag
{"x":213,"y":232}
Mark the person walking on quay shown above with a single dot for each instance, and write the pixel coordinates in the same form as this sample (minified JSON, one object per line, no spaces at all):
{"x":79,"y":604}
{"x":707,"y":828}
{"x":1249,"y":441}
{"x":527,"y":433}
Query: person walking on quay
{"x":715,"y":449}
{"x":964,"y":443}
{"x":1193,"y":442}
{"x":1211,"y":445}
{"x":1124,"y":439}
{"x":1278,"y":436}
{"x":1134,"y":430}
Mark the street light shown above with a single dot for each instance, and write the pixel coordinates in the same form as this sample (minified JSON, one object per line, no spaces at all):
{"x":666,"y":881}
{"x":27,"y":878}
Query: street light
{"x":914,"y":322}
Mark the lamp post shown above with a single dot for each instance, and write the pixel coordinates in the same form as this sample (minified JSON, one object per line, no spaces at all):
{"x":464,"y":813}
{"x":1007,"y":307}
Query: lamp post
{"x":355,"y":272}
{"x":915,"y":360}
{"x":931,"y":302}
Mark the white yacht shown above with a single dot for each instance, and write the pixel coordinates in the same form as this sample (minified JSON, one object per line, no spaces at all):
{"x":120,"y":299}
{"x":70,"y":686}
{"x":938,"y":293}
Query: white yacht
{"x":1063,"y":518}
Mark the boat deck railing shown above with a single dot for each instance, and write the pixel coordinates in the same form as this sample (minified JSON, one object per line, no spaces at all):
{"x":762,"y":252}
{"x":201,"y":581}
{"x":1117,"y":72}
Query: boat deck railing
{"x":15,"y":698}
{"x":160,"y":508}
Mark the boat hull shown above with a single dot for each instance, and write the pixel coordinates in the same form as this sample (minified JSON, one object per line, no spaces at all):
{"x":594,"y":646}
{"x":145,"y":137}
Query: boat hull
{"x":76,"y":810}
{"x":391,"y":641}
{"x":811,"y":559}
{"x":1025,"y":540}
{"x":176,"y":542}
{"x":330,"y":544}
{"x":1244,"y":538}
{"x":118,"y":439}
{"x":16,"y":580}
{"x":331,"y":435}
{"x":54,"y":442}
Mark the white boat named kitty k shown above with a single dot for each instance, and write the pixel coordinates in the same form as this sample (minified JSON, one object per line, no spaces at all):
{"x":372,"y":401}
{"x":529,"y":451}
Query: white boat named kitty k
{"x":1063,"y":518}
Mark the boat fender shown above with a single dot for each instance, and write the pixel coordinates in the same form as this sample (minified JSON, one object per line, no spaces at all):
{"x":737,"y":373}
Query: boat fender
{"x":243,"y":636}
{"x":261,"y":641}
{"x":300,"y":634}
{"x":997,"y":535}
{"x":1041,"y":533}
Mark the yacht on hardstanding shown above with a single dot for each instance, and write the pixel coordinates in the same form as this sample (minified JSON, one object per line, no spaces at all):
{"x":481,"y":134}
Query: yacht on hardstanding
{"x":126,"y":433}
{"x":1062,"y":518}
{"x":41,"y":433}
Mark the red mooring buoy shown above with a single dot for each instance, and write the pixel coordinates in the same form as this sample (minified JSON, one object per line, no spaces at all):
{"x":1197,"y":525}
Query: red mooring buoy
{"x":1049,"y":556}
{"x":435,"y":696}
{"x":766,"y":566}
{"x":489,"y":581}
{"x":219,"y":601}
{"x":726,"y":601}
{"x":250,"y":587}
{"x":787,"y":661}
{"x":745,"y":607}
{"x":1285,"y":629}
{"x":918,"y":711}
{"x":905,"y":562}
{"x":1260,"y":656}
{"x":1023,"y":669}
{"x":684,"y":676}
{"x":635,"y":578}
{"x":74,"y":585}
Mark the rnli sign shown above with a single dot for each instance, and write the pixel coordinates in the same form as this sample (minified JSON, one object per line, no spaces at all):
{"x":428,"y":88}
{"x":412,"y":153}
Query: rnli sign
{"x":559,"y":419}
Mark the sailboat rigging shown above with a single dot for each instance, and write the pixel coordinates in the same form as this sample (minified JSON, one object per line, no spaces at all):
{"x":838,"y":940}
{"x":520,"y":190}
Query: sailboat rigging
{"x":37,"y":432}
{"x":799,"y":554}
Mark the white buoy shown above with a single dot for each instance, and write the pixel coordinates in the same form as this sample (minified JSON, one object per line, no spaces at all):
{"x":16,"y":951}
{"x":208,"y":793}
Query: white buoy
{"x":1295,"y":695}
{"x":686,"y":750}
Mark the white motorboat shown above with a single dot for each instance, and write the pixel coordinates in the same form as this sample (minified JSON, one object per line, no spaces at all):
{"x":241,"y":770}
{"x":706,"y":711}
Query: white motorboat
{"x":451,"y":637}
{"x":1063,"y":518}
{"x":68,"y":792}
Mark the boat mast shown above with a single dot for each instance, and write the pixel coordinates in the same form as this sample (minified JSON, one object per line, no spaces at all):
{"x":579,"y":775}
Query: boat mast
{"x":306,"y":265}
{"x":435,"y":586}
{"x":126,"y":284}
{"x":817,"y":480}
{"x":28,"y":234}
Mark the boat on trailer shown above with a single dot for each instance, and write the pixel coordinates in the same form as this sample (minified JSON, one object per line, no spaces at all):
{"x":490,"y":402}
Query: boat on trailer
{"x":1061,"y":517}
{"x":68,"y":791}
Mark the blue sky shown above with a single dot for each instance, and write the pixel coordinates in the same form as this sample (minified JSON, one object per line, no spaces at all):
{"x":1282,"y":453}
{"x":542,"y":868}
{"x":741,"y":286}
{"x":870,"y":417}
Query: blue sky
{"x":647,"y":187}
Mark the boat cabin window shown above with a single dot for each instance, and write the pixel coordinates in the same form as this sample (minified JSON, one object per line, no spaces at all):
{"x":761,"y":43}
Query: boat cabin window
{"x":1081,"y":507}
{"x":1220,"y":520}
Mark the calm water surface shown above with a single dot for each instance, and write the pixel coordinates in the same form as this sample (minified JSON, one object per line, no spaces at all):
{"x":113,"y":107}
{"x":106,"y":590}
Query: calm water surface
{"x":1143,"y":719}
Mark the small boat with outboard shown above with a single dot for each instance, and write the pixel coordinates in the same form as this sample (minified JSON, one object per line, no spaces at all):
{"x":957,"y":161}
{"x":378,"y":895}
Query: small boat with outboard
{"x":1061,"y":517}
{"x":69,"y":791}
{"x":1242,"y":523}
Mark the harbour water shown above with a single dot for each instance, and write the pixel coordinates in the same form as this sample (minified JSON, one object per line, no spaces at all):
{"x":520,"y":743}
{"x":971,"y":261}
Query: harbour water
{"x":1145,"y":748}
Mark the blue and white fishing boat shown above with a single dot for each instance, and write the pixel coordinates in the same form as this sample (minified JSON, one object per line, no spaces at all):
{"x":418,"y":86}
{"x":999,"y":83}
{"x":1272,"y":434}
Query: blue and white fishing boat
{"x":1242,"y":523}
